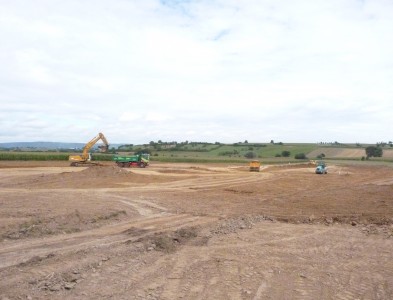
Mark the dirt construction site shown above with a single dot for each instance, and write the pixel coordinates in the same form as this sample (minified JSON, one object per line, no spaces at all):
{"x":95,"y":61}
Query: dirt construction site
{"x":195,"y":231}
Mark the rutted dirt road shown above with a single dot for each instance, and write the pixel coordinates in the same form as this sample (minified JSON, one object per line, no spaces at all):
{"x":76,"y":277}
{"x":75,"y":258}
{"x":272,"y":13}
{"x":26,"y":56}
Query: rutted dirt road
{"x":183,"y":231}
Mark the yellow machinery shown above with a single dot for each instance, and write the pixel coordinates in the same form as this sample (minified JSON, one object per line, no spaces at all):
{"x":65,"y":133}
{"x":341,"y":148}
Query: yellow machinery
{"x":255,"y":166}
{"x":85,"y":158}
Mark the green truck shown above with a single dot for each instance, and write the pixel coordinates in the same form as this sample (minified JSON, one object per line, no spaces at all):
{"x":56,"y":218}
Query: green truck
{"x":137,"y":160}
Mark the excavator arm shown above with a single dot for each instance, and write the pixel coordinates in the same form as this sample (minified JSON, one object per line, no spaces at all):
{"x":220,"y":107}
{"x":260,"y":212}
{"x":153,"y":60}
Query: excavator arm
{"x":90,"y":144}
{"x":75,"y":159}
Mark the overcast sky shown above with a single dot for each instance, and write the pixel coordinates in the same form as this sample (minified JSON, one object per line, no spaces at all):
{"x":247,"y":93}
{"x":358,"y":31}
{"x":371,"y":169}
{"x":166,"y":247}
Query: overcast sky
{"x":196,"y":70}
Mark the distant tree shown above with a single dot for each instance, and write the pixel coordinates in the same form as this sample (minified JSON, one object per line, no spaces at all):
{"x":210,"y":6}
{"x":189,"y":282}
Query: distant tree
{"x":374,"y":151}
{"x":271,"y":142}
{"x":112,"y":150}
{"x":126,"y":146}
{"x":286,"y":153}
{"x":245,"y":142}
{"x":382,"y":144}
{"x":320,"y":156}
{"x":142,"y":151}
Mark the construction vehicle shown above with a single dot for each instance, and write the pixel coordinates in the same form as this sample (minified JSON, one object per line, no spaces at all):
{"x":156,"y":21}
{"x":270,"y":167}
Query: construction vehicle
{"x":138,"y":160}
{"x":321,"y":168}
{"x":85,"y":158}
{"x":255,"y":166}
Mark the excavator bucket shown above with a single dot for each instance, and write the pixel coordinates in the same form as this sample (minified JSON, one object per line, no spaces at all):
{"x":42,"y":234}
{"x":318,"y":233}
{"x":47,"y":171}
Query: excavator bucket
{"x":103,"y":148}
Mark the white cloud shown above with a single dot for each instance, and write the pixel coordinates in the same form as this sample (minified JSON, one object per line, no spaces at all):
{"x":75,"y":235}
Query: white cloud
{"x":128,"y":116}
{"x":197,"y":70}
{"x":157,"y":117}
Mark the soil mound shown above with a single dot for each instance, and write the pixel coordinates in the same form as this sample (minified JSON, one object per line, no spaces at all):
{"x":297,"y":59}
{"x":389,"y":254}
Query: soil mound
{"x":94,"y":176}
{"x":103,"y":171}
{"x":91,"y":177}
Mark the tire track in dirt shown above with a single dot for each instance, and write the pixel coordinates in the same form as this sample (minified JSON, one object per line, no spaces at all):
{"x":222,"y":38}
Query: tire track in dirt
{"x":226,"y":274}
{"x":262,"y":286}
{"x":307,"y":262}
{"x":187,"y":184}
{"x":22,"y":251}
{"x":191,"y":274}
{"x":363,"y":283}
{"x":271,"y":242}
{"x":27,"y":255}
{"x":217,"y":181}
{"x":142,"y":211}
{"x":203,"y":182}
{"x":140,"y":204}
{"x":177,"y":279}
{"x":185,"y":276}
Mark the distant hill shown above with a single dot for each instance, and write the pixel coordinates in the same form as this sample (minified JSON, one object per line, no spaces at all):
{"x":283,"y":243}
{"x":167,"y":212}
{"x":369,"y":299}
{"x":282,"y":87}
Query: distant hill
{"x":46,"y":145}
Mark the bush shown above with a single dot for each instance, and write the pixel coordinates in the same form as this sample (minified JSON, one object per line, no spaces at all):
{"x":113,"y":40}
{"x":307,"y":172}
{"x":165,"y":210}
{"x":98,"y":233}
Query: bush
{"x":250,"y":154}
{"x":226,"y":153}
{"x":300,"y":156}
{"x":374,"y":151}
{"x":142,"y":151}
{"x":285,"y":153}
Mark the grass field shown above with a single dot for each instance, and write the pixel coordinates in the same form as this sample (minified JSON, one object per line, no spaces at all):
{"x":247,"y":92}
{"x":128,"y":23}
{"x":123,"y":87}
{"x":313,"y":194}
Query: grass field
{"x":45,"y":156}
{"x":231,"y":153}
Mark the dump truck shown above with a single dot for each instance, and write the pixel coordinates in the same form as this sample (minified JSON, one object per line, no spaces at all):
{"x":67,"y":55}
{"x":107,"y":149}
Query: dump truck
{"x":85,"y":158}
{"x":255,"y":166}
{"x":321,"y":168}
{"x":137,"y":160}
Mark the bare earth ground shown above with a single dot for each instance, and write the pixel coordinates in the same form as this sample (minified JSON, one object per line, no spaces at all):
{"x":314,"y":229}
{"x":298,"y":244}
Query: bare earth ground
{"x":184,"y":231}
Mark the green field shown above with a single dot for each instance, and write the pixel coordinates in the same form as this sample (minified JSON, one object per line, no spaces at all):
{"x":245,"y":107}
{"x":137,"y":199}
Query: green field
{"x":45,"y":156}
{"x":217,"y":152}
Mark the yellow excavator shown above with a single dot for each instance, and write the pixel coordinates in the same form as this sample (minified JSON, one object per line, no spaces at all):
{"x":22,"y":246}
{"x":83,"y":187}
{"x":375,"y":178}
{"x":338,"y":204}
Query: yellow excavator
{"x":85,"y":158}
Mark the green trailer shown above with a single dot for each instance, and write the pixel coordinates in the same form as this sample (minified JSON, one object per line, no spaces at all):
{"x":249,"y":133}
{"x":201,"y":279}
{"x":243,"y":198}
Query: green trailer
{"x":137,"y":160}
